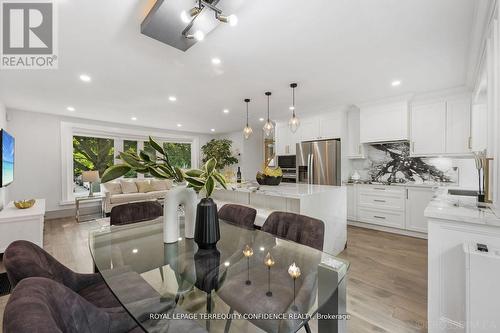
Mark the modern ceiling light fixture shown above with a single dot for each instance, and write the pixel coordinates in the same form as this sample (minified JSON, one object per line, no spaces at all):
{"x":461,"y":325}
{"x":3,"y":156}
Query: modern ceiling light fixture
{"x":294,"y":122}
{"x":268,"y":126}
{"x":195,"y":11}
{"x":198,"y":35}
{"x":247,"y":131}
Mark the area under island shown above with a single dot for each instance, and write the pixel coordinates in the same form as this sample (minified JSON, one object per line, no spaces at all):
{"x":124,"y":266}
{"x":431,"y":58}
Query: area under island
{"x":324,"y":202}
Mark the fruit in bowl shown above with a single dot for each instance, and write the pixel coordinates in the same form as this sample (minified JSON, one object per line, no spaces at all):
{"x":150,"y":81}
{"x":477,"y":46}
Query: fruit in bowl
{"x":24,"y":204}
{"x":270,"y":176}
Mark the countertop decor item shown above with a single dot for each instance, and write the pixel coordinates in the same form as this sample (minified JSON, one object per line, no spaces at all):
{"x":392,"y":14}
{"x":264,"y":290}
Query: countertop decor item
{"x":206,"y":232}
{"x":480,"y":159}
{"x":270,"y":176}
{"x":24,"y":204}
{"x":268,"y":126}
{"x":294,"y":122}
{"x":269,"y":262}
{"x":294,"y":272}
{"x":247,"y":131}
{"x":248,"y":252}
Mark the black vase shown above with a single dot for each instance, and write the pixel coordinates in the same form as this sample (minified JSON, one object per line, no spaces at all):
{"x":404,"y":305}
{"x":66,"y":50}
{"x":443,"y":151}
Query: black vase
{"x":206,"y":231}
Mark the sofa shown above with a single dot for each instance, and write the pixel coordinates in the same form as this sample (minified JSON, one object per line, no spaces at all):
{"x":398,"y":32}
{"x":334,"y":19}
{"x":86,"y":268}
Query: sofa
{"x":125,"y":191}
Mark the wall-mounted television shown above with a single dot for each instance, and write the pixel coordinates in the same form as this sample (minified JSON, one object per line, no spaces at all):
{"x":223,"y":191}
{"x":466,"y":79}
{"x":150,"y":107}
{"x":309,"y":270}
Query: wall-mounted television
{"x":7,"y":161}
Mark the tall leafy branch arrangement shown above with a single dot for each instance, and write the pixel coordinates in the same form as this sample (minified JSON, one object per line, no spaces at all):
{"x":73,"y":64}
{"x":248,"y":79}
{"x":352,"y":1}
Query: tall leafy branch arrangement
{"x":159,"y":167}
{"x":220,"y":149}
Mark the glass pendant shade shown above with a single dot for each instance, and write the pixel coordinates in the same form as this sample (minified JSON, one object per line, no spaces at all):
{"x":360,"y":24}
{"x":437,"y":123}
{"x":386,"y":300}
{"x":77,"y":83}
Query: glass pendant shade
{"x":294,"y":122}
{"x":247,"y":131}
{"x":268,"y":126}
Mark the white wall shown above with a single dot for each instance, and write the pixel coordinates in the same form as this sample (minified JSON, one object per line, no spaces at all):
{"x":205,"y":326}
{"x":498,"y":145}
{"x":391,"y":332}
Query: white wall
{"x":250,"y":153}
{"x":38,"y":163}
{"x":3,"y":124}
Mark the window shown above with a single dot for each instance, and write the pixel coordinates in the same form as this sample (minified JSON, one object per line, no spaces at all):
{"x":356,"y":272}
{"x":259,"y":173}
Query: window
{"x":179,"y":154}
{"x":90,"y":153}
{"x":129,"y":145}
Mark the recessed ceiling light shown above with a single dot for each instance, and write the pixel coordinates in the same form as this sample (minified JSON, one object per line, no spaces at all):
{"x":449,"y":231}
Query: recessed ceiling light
{"x":261,"y":119}
{"x":134,"y":118}
{"x":216,"y":61}
{"x":70,"y":108}
{"x":179,"y":125}
{"x":225,"y":111}
{"x":227,"y":263}
{"x":135,"y":250}
{"x":85,"y":78}
{"x":212,"y":130}
{"x":172,"y":98}
{"x":396,"y":83}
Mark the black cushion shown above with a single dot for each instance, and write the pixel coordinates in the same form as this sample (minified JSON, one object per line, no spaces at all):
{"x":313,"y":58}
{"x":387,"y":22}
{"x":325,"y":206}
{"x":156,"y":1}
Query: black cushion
{"x":135,"y":212}
{"x":239,"y":215}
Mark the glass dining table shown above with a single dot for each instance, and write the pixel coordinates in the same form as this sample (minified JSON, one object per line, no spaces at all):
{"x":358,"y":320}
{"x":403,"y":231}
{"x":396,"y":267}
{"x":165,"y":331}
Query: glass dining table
{"x":249,"y":283}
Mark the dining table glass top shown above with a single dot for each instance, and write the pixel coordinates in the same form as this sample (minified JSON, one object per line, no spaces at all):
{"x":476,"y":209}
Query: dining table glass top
{"x":251,"y":279}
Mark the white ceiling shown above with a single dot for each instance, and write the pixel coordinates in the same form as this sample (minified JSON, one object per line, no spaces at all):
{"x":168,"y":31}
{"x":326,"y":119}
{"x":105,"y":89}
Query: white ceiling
{"x":339,"y":51}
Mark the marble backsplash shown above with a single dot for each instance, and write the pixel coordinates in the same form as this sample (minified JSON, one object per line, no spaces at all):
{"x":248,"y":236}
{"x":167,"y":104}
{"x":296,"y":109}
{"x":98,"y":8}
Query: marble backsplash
{"x":392,"y":162}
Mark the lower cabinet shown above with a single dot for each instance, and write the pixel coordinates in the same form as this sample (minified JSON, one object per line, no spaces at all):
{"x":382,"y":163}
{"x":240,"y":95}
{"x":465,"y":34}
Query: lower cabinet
{"x":399,"y":207}
{"x":417,"y":198}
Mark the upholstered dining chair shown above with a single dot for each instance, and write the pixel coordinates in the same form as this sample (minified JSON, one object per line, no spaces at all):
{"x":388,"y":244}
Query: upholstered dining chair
{"x":238,"y":215}
{"x":23,"y":259}
{"x":135,"y":212}
{"x":43,"y":305}
{"x":297,"y":228}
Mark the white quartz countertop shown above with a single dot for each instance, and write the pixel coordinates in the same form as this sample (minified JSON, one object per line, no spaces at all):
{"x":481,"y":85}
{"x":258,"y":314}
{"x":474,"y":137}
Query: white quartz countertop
{"x":460,"y":208}
{"x":412,"y":184}
{"x":288,"y":190}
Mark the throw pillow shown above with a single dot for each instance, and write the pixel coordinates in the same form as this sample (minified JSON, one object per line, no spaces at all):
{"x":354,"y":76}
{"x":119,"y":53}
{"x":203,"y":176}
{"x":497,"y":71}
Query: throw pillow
{"x":113,"y":188}
{"x":144,"y":186}
{"x":161,"y":185}
{"x":128,"y":186}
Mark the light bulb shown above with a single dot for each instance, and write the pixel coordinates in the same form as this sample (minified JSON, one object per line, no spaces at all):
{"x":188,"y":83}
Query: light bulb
{"x":199,"y":35}
{"x":185,"y":17}
{"x":293,"y":124}
{"x":268,"y":128}
{"x":233,"y":20}
{"x":247,"y":131}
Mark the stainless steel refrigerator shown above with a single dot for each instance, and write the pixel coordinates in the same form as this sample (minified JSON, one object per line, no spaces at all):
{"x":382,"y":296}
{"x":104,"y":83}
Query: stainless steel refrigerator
{"x":318,"y":162}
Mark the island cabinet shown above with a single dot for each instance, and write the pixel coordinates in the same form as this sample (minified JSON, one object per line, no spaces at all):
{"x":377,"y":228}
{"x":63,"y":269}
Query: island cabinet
{"x":384,"y":122}
{"x":326,"y":203}
{"x":441,"y":127}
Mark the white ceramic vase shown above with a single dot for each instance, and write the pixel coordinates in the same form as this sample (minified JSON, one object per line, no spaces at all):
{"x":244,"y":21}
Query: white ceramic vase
{"x":187,"y":197}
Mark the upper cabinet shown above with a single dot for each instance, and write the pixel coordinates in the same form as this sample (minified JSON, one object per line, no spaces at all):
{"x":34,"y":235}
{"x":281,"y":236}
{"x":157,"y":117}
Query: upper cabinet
{"x":441,"y":127}
{"x":354,"y":147}
{"x":384,"y":122}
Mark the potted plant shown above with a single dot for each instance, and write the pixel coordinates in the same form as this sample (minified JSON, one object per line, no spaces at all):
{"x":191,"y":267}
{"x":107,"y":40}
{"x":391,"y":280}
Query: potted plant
{"x":220,"y":149}
{"x":206,"y":233}
{"x":200,"y":180}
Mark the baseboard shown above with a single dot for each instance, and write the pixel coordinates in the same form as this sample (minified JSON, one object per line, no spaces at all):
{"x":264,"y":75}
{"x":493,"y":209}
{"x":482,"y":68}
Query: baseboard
{"x":70,"y":212}
{"x":387,"y":229}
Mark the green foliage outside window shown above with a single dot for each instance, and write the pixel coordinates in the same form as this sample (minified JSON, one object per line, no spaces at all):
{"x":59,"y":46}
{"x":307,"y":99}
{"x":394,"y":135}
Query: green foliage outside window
{"x":179,"y":154}
{"x":129,"y":145}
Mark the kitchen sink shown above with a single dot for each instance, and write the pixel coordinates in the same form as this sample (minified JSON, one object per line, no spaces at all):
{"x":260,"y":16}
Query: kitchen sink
{"x":467,"y":193}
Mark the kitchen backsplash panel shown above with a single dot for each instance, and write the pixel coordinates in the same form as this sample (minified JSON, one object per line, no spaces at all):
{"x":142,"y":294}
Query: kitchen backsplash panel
{"x":392,"y":162}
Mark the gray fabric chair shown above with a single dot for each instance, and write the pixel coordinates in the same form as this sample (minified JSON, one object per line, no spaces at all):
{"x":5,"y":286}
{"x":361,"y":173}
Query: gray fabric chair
{"x":45,"y":306}
{"x":239,"y":215}
{"x":23,"y":259}
{"x":135,"y":212}
{"x":297,"y":228}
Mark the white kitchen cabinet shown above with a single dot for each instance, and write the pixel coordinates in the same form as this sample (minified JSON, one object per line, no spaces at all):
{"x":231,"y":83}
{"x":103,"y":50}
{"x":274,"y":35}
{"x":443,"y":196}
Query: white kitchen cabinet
{"x":354,"y":147}
{"x":428,"y":128}
{"x":479,"y":127}
{"x":309,"y":129}
{"x":417,"y":198}
{"x":352,"y":209}
{"x":330,"y":126}
{"x":285,"y":140}
{"x":384,"y":122}
{"x":458,"y":115}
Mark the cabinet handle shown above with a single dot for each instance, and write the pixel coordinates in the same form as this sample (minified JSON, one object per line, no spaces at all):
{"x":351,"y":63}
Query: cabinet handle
{"x":406,"y":194}
{"x":379,"y":217}
{"x":470,"y":142}
{"x":359,"y":149}
{"x":413,"y":146}
{"x":377,"y":200}
{"x":379,"y":188}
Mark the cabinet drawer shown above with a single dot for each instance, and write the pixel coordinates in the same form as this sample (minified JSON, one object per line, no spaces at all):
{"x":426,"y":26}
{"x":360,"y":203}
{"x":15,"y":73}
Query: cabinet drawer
{"x":390,"y":202}
{"x":385,"y":218}
{"x":383,"y":190}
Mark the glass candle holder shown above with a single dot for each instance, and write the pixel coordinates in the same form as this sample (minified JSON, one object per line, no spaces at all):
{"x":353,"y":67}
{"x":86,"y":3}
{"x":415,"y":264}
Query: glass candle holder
{"x":294,"y":272}
{"x":269,"y":262}
{"x":248,"y":252}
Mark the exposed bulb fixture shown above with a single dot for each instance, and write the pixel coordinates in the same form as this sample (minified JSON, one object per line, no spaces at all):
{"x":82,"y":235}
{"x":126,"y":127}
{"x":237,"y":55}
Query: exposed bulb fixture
{"x":198,"y":35}
{"x":268,"y":126}
{"x":294,"y":122}
{"x":247,"y":131}
{"x":231,"y":19}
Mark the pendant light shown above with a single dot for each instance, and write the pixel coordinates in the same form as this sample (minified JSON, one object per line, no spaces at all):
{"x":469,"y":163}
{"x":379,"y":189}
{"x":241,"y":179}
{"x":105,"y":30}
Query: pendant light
{"x":268,"y":126}
{"x":294,"y":122}
{"x":247,"y":131}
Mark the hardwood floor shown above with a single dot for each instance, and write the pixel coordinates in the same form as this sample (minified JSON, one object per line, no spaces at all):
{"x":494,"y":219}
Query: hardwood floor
{"x":387,"y":281}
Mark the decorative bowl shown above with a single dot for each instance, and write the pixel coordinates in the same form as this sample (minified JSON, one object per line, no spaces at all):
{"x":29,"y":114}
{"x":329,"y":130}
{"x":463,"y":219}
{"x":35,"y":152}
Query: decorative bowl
{"x":268,"y":180}
{"x":24,"y":204}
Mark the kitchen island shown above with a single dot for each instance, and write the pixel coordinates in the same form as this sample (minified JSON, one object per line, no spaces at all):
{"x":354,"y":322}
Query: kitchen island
{"x":324,"y":202}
